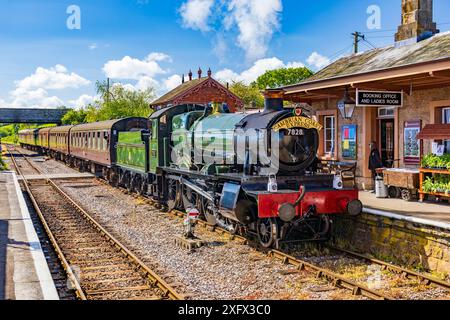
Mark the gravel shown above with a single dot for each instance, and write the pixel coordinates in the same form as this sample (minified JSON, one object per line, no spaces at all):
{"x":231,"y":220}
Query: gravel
{"x":220,"y":270}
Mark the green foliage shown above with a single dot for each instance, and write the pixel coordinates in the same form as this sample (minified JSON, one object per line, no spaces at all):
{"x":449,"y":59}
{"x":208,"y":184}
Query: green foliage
{"x":9,"y":133}
{"x":74,"y":117}
{"x":282,"y":77}
{"x":3,"y":165}
{"x":435,"y":162}
{"x":119,"y":102}
{"x":437,"y":184}
{"x":250,"y":95}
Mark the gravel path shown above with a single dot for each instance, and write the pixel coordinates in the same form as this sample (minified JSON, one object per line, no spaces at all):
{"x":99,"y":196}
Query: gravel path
{"x":221,"y":270}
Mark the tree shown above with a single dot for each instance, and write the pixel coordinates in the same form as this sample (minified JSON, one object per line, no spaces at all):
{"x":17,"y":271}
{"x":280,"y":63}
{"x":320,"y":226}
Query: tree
{"x":119,"y":102}
{"x":74,"y":117}
{"x":249,"y":94}
{"x":282,"y":77}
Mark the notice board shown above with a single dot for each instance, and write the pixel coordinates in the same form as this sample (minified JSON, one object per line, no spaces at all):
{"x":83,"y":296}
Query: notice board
{"x":349,"y":142}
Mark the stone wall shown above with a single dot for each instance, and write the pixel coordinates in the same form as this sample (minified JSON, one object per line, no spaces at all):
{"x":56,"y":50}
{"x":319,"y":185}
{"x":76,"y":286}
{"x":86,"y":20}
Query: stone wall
{"x":400,"y":242}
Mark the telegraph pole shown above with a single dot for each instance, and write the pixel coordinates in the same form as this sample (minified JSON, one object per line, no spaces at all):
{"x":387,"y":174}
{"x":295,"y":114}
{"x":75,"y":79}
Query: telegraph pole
{"x":357,"y":38}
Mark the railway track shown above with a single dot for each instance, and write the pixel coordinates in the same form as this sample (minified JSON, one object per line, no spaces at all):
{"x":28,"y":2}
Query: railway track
{"x":332,"y":277}
{"x":97,"y":265}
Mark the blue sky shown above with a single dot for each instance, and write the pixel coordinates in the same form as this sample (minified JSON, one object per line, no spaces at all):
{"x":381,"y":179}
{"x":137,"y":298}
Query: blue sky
{"x":151,"y":43}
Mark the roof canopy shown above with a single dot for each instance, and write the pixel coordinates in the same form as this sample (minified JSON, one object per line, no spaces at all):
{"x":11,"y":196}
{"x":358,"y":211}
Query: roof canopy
{"x":422,"y":65}
{"x":435,"y":132}
{"x":171,"y":95}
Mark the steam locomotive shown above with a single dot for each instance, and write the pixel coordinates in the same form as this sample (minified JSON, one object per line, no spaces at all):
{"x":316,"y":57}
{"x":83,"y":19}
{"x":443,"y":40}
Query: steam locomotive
{"x":247,"y":173}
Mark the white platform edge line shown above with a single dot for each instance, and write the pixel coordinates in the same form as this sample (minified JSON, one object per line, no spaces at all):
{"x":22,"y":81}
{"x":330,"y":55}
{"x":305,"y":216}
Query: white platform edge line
{"x":46,"y":282}
{"x":387,"y":214}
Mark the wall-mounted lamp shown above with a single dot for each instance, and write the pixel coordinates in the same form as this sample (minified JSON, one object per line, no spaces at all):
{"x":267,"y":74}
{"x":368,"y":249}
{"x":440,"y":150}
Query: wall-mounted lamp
{"x":346,"y":106}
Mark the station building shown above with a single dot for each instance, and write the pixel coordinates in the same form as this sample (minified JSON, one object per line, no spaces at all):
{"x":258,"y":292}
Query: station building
{"x":201,"y":90}
{"x":400,"y":88}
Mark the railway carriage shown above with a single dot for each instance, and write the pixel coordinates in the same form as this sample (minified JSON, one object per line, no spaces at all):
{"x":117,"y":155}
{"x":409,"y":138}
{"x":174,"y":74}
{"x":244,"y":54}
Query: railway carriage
{"x":29,"y":138}
{"x":94,"y":145}
{"x":58,"y":142}
{"x":43,"y":139}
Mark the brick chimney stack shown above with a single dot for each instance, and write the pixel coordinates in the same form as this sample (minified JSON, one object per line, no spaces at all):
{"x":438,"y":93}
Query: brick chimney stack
{"x":417,"y":21}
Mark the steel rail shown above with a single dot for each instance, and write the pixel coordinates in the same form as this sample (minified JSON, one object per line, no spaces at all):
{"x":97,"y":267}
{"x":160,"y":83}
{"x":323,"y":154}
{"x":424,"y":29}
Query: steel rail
{"x":154,"y":279}
{"x":65,"y":264}
{"x":336,"y":279}
{"x":422,"y":278}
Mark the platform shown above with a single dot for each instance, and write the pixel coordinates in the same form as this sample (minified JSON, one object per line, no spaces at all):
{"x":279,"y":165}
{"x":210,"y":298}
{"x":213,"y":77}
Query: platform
{"x":24,"y":273}
{"x":58,"y":176}
{"x":426,"y":213}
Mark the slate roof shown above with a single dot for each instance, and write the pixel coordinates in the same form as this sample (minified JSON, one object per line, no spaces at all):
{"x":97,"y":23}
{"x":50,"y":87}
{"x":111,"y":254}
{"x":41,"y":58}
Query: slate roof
{"x":432,"y":49}
{"x":171,"y":95}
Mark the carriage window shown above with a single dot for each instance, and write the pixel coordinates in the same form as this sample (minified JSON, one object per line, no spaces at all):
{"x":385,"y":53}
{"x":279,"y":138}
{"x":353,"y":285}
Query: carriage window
{"x":92,"y":140}
{"x":99,"y":141}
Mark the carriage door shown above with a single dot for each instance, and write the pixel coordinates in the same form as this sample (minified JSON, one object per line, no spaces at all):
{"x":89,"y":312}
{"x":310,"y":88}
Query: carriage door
{"x":386,"y":135}
{"x":153,"y":145}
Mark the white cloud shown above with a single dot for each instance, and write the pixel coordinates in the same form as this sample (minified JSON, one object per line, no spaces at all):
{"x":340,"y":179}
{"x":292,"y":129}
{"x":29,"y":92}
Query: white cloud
{"x":256,"y":20}
{"x":146,"y":82}
{"x":172,"y":82}
{"x":256,"y":70}
{"x":82,"y":101}
{"x":93,"y":46}
{"x":23,"y":98}
{"x":195,"y":14}
{"x":135,"y":69}
{"x":55,"y":78}
{"x":318,"y":61}
{"x":31,"y":92}
{"x":158,"y":56}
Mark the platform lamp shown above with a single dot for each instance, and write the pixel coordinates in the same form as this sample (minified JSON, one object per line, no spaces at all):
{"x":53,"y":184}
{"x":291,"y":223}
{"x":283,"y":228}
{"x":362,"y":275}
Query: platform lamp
{"x":346,"y":106}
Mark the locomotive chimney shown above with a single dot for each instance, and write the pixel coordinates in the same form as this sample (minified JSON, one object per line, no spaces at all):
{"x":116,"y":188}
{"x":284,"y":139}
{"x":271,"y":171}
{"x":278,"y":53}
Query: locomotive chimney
{"x":273,"y":100}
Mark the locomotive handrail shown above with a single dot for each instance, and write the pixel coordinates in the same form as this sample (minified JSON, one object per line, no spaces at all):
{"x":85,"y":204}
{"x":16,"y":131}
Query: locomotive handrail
{"x":302,"y":196}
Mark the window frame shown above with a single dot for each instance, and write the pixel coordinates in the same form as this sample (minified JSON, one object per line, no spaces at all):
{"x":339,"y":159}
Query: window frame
{"x":444,"y":118}
{"x":332,"y":130}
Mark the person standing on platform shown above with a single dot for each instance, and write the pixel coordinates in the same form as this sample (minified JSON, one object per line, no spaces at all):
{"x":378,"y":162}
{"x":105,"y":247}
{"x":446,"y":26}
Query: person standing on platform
{"x":375,"y":161}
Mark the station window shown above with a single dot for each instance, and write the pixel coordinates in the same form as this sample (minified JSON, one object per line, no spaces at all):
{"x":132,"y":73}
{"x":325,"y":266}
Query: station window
{"x":446,"y":120}
{"x":329,"y":135}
